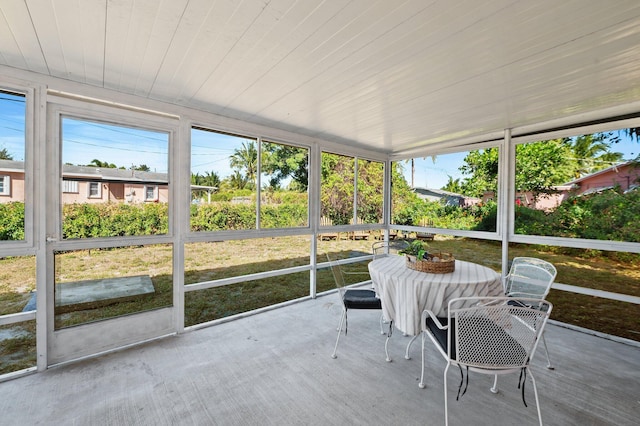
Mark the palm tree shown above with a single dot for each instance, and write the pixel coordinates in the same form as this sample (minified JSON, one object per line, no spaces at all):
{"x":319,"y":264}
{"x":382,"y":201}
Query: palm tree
{"x":97,"y":163}
{"x":592,"y":153}
{"x":4,"y":154}
{"x":238,"y":181}
{"x":246,"y":158}
{"x":453,"y":185}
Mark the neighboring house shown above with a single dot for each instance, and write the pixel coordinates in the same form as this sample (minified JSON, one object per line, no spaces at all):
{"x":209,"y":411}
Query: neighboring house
{"x":624,"y":175}
{"x":11,"y":181}
{"x":81,"y":184}
{"x":448,"y":198}
{"x":544,"y":201}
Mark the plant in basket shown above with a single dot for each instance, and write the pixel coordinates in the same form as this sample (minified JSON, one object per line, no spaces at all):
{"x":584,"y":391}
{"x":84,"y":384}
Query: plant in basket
{"x":420,"y":260}
{"x":416,"y":249}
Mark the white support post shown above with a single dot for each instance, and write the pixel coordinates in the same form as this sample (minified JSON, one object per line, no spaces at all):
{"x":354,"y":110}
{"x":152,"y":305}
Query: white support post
{"x":506,"y":196}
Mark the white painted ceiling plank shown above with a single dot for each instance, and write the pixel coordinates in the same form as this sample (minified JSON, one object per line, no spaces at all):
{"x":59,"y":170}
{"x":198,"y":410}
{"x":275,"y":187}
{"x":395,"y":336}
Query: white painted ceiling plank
{"x":438,"y":72}
{"x":356,"y":105}
{"x":220,"y":36}
{"x":19,"y":44}
{"x":118,"y":29}
{"x":46,"y":23}
{"x":316,"y":20}
{"x":334,"y":71}
{"x":10,"y":53}
{"x":152,"y":50}
{"x":82,"y":39}
{"x":190,"y":42}
{"x":264,"y":44}
{"x":305,"y":62}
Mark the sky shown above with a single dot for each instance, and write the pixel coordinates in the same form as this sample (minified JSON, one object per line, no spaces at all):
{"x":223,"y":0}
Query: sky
{"x":84,"y":141}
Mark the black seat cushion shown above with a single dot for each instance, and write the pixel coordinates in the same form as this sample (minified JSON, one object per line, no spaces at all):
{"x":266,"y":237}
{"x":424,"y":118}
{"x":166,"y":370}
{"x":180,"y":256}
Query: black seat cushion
{"x":441,"y":335}
{"x":492,"y":341}
{"x":361,"y":299}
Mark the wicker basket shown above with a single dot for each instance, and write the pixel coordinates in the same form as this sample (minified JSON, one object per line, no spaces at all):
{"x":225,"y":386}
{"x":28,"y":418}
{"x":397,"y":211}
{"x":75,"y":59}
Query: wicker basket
{"x":444,"y":263}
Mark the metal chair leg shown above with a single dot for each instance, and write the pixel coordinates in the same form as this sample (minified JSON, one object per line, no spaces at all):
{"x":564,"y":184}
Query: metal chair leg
{"x":494,"y":388}
{"x":544,"y":343}
{"x":421,"y":385}
{"x":342,"y":320}
{"x":446,"y":405}
{"x":535,"y":392}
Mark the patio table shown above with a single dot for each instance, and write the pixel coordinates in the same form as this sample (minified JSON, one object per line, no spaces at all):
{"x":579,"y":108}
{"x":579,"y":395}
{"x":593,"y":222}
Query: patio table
{"x":406,"y":293}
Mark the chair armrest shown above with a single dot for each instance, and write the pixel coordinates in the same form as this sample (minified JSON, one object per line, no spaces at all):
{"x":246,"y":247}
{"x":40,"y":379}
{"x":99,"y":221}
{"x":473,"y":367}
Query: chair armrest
{"x":427,"y":313}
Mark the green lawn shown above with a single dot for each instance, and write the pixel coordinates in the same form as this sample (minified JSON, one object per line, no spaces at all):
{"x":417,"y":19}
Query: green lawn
{"x":615,"y":272}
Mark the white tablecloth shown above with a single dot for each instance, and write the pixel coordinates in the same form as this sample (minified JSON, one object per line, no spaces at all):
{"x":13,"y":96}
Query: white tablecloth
{"x":405,"y":293}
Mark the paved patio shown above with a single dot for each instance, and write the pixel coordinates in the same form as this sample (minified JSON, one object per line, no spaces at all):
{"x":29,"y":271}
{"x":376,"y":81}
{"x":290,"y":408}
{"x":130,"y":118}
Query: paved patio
{"x":274,"y":368}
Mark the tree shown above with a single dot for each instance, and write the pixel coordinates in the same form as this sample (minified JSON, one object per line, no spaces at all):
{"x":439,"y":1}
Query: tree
{"x":210,"y":178}
{"x":282,"y":161}
{"x":238,"y":181}
{"x":141,"y":168}
{"x":482,"y":167}
{"x":4,"y":154}
{"x":592,"y":153}
{"x":246,"y":159}
{"x":369,"y":197}
{"x":453,"y":185}
{"x":336,"y":193}
{"x":541,"y":165}
{"x":105,"y":164}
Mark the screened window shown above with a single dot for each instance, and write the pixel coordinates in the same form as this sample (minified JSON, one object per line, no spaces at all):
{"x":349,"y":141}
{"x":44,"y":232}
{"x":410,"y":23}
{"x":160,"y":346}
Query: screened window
{"x":581,"y":186}
{"x":450,"y":191}
{"x":284,"y":195}
{"x":224,"y":172}
{"x":107,"y":151}
{"x":337,"y":189}
{"x":370,"y":194}
{"x":12,"y":166}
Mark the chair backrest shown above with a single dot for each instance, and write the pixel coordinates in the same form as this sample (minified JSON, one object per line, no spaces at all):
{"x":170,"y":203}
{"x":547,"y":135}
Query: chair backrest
{"x":337,"y":276}
{"x":381,"y":248}
{"x":493,"y":334}
{"x":529,"y":277}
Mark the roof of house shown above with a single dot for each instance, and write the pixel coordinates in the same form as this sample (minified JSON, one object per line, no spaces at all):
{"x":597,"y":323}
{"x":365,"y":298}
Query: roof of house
{"x":84,"y":173}
{"x":615,"y":168}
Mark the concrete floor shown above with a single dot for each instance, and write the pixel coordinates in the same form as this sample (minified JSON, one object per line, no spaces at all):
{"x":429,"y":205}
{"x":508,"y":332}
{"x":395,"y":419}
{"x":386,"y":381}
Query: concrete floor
{"x":274,"y":368}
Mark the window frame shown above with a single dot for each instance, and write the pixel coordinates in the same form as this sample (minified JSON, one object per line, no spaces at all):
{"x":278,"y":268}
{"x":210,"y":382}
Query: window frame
{"x":66,"y":184}
{"x":5,"y":185}
{"x":154,"y":193}
{"x":98,"y":196}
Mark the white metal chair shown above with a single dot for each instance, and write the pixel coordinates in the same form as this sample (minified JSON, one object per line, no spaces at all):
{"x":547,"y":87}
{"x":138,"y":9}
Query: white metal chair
{"x":488,"y":336}
{"x":530,"y":277}
{"x":382,"y":248}
{"x":354,"y":299}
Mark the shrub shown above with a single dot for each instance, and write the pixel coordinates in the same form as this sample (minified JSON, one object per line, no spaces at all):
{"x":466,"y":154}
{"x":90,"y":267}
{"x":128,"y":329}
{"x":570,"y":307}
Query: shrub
{"x":114,"y":219}
{"x":12,"y":221}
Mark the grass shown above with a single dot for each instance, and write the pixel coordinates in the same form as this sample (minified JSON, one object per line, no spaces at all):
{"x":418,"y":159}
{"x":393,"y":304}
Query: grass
{"x":616,"y":272}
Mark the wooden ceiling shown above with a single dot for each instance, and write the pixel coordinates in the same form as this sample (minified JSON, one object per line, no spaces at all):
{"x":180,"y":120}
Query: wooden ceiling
{"x":392,"y":76}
